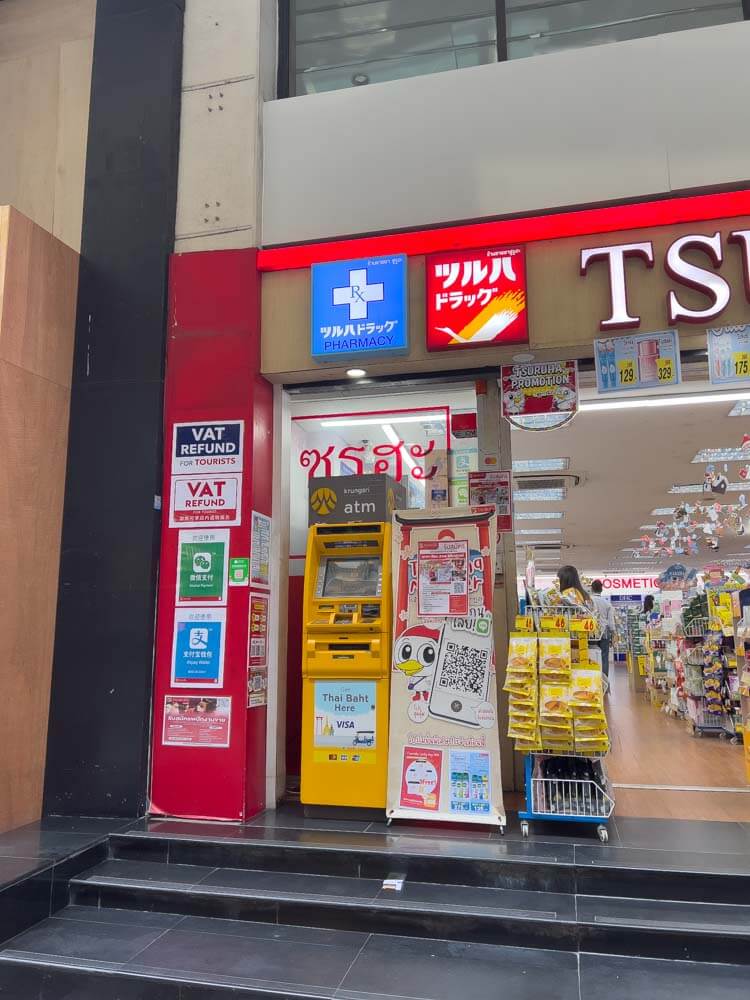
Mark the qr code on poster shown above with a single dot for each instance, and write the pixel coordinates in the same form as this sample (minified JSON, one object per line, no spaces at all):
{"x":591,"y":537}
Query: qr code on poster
{"x":258,"y":647}
{"x":464,"y":669}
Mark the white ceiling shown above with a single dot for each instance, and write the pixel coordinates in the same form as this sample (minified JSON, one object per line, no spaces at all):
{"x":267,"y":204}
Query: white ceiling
{"x":628,"y":460}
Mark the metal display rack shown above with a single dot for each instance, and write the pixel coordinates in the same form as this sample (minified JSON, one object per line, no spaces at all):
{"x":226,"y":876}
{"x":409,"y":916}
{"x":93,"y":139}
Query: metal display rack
{"x":585,"y":797}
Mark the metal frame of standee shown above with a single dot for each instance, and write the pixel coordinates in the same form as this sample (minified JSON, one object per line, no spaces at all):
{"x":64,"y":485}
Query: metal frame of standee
{"x":213,"y":375}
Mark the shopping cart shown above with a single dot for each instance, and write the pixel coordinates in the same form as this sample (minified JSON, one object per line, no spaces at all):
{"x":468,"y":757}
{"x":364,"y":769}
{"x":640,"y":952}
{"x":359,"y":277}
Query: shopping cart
{"x":581,"y":800}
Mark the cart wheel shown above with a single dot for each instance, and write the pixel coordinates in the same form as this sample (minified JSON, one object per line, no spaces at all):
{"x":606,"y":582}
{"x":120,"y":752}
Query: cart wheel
{"x":735,"y":741}
{"x":524,"y":828}
{"x":722,"y":736}
{"x":603,"y":834}
{"x":697,"y":733}
{"x":502,"y":829}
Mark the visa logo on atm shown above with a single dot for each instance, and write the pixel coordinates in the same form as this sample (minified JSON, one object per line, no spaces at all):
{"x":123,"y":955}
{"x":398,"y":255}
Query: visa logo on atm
{"x":207,"y":446}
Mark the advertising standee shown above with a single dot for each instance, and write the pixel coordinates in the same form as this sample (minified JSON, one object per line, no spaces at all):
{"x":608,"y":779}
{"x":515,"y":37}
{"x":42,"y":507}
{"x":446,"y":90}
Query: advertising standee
{"x":444,"y":751}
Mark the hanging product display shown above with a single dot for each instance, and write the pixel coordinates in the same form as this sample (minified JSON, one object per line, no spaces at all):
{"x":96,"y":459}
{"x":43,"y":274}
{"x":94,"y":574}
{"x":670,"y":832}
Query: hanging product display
{"x":444,"y":752}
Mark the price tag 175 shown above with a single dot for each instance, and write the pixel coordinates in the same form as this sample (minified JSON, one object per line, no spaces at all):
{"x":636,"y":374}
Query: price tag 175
{"x":741,"y":364}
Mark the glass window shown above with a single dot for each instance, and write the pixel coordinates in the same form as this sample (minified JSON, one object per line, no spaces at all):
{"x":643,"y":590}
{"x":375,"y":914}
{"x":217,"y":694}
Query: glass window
{"x":535,"y":28}
{"x":349,"y":43}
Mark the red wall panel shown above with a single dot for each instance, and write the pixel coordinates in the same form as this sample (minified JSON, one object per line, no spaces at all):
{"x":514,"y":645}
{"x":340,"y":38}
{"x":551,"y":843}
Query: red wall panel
{"x":213,"y":361}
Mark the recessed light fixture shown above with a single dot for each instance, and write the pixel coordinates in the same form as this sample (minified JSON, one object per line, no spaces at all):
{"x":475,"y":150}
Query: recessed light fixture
{"x":360,"y":79}
{"x":541,"y":465}
{"x":356,"y":373}
{"x":662,"y":511}
{"x":539,"y":531}
{"x":541,"y":496}
{"x":523,"y":357}
{"x":741,"y":409}
{"x":722,"y":455}
{"x":647,"y":527}
{"x":538,"y":515}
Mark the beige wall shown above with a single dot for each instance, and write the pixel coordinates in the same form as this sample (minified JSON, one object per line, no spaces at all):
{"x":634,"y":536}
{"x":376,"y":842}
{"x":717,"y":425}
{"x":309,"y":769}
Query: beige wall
{"x":45,"y":81}
{"x":591,"y":125}
{"x":38,"y":287}
{"x":565,"y":309}
{"x":228,"y":70}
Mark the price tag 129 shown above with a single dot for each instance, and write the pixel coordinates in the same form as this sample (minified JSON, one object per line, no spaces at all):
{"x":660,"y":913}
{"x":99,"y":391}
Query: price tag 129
{"x":627,"y":372}
{"x":666,"y":371}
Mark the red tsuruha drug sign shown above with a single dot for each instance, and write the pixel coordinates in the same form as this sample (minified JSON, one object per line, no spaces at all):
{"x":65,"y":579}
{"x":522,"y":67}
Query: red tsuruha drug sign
{"x":476,"y":298}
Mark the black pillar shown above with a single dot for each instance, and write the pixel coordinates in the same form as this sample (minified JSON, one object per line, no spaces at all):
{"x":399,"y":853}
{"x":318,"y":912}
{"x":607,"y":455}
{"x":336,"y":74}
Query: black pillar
{"x":100,"y":712}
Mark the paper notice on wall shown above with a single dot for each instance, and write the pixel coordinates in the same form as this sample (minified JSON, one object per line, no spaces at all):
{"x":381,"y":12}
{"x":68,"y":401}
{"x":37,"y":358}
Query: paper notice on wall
{"x":196,"y":722}
{"x":443,"y":578}
{"x":260,"y":550}
{"x":493,"y":488}
{"x":444,"y":750}
{"x":257,"y":651}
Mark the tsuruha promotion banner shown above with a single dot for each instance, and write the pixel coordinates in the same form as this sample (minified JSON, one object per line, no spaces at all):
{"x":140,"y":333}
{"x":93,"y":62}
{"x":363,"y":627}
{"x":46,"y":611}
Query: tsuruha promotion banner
{"x":444,"y":751}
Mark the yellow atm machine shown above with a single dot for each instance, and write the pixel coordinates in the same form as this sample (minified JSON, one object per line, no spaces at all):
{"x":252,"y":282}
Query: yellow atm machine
{"x":346,"y":654}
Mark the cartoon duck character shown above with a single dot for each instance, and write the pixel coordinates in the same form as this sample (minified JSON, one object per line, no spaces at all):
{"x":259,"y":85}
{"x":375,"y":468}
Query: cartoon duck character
{"x":415,"y":655}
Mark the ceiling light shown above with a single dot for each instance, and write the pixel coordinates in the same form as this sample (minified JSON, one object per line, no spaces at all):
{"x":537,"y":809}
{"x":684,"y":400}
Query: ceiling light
{"x":538,"y":515}
{"x":532,"y":496}
{"x":662,"y":511}
{"x":523,"y":358}
{"x":377,"y":421}
{"x":539,"y":531}
{"x":356,"y":373}
{"x":541,"y":465}
{"x":647,"y":527}
{"x":722,"y":455}
{"x":741,"y":409}
{"x":646,"y":402}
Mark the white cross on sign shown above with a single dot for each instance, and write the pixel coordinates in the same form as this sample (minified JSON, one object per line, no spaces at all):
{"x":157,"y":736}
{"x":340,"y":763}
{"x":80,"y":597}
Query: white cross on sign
{"x":358,"y":294}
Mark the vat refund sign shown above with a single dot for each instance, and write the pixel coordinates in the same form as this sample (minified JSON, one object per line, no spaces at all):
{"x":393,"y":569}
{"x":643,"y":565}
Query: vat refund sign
{"x":207,"y":447}
{"x":197,"y":500}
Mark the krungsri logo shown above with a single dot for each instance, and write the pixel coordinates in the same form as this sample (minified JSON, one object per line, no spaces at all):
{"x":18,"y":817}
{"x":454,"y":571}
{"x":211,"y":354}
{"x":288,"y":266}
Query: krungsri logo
{"x":323,"y":501}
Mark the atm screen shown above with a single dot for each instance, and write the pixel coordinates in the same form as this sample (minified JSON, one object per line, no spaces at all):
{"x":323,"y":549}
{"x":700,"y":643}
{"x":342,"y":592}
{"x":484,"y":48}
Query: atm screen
{"x":351,"y":577}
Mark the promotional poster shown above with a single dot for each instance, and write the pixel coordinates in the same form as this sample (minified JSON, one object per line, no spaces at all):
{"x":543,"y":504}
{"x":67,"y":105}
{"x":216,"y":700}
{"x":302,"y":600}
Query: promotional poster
{"x":444,"y":752}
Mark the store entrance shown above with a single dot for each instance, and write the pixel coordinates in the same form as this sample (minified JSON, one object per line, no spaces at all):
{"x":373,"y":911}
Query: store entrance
{"x":619,"y":494}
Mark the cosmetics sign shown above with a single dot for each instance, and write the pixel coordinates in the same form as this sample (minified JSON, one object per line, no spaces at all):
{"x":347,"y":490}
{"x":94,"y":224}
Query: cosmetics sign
{"x":642,"y":361}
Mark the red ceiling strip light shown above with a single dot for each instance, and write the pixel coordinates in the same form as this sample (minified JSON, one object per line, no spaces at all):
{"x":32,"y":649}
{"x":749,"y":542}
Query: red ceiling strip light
{"x":531,"y":229}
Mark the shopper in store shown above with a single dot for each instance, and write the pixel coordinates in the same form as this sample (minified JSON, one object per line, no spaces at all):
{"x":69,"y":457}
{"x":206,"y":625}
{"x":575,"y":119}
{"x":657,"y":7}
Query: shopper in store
{"x":648,"y":605}
{"x":606,"y":615}
{"x":569,"y":591}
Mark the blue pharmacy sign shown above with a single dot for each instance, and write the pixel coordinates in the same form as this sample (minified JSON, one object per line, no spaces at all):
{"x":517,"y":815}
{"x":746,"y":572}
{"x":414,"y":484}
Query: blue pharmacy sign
{"x":359,"y":307}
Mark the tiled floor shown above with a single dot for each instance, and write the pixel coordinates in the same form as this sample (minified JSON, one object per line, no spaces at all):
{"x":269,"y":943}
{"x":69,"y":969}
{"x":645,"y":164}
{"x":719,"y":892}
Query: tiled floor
{"x":347,"y":965}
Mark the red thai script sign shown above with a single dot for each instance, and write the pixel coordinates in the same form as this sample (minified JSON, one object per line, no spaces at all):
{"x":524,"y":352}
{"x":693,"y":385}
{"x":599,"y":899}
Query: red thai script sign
{"x":476,"y":298}
{"x":397,"y":460}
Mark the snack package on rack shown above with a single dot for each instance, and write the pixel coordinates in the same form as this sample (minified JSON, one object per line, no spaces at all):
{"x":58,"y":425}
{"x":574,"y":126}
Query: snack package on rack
{"x":586,"y":689}
{"x":554,"y":702}
{"x":554,"y":658}
{"x":522,"y":652}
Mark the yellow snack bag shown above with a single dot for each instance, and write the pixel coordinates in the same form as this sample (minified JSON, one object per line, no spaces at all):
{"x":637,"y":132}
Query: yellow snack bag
{"x":554,"y":655}
{"x":586,"y":689}
{"x":555,"y":701}
{"x":522,"y":650}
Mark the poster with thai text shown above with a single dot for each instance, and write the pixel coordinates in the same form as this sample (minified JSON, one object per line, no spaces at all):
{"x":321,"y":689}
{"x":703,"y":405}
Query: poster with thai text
{"x":493,"y":488}
{"x":196,"y":721}
{"x":443,"y":575}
